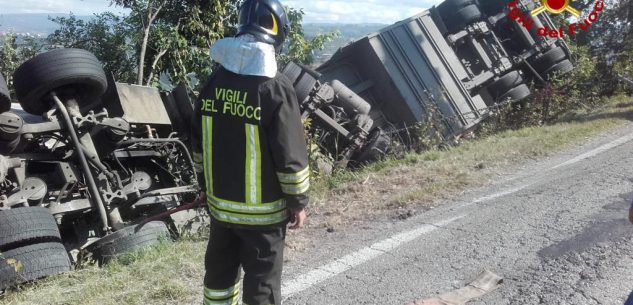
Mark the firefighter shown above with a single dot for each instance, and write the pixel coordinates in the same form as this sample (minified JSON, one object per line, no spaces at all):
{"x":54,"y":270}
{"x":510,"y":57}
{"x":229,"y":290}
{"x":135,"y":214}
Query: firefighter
{"x":250,"y":149}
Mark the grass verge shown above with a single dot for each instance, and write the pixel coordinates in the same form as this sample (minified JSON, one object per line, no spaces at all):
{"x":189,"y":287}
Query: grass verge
{"x":169,"y":273}
{"x":172,"y":272}
{"x":418,"y":180}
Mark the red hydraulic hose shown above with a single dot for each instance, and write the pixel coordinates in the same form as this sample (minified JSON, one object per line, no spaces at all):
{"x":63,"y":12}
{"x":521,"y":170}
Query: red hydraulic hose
{"x":197,"y":203}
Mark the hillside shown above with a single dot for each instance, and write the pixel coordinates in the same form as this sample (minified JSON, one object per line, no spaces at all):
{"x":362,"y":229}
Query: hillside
{"x":41,"y":25}
{"x":34,"y":24}
{"x":347,"y":34}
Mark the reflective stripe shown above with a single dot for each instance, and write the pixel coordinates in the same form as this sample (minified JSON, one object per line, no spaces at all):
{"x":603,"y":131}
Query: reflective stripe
{"x":296,"y":189}
{"x":248,"y":166}
{"x":231,"y":301}
{"x":208,"y":152}
{"x":239,"y":207}
{"x":258,"y":166}
{"x":295,"y":177}
{"x":261,"y":220}
{"x":253,"y":165}
{"x":222,"y":293}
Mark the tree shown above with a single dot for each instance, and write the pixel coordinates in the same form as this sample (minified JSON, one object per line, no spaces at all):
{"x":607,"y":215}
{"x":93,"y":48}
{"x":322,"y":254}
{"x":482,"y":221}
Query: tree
{"x":610,"y":39}
{"x":14,"y":51}
{"x":105,"y":35}
{"x":171,"y":36}
{"x":175,"y":35}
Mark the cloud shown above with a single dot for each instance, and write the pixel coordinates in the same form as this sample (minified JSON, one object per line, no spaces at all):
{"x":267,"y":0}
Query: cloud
{"x":78,"y":7}
{"x":330,"y":11}
{"x":356,"y":11}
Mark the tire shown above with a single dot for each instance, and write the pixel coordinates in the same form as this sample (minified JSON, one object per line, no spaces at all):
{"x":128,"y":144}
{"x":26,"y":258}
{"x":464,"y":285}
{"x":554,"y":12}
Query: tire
{"x":562,"y":67}
{"x":449,"y":7}
{"x":292,"y":71}
{"x":549,"y":59}
{"x":302,"y":81}
{"x":5,"y":97}
{"x":377,"y":146}
{"x":458,"y":20}
{"x":26,"y":226}
{"x":492,"y":7}
{"x":38,"y":261}
{"x":516,"y":94}
{"x":128,"y":239}
{"x":457,"y":4}
{"x":505,"y":83}
{"x":74,"y":73}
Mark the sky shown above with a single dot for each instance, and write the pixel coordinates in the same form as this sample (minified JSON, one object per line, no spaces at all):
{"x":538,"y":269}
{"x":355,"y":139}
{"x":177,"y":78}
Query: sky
{"x":316,"y":11}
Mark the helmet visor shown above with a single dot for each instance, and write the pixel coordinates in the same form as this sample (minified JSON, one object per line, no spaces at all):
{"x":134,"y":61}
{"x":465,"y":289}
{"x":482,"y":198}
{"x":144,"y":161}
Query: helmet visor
{"x":261,"y":16}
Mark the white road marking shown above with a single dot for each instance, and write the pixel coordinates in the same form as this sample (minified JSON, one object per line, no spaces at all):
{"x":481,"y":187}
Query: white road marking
{"x":597,"y":151}
{"x":359,"y":257}
{"x":500,"y":194}
{"x":325,"y":272}
{"x":577,"y":159}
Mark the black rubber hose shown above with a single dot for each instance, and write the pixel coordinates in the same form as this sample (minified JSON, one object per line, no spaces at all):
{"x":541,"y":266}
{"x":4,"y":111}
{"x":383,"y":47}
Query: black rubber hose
{"x":92,"y":186}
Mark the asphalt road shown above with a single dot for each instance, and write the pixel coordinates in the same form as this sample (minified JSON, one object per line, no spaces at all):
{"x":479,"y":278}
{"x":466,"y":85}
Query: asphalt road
{"x":554,"y":229}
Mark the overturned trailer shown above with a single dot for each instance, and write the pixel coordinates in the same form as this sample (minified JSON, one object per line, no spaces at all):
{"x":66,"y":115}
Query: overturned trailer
{"x":449,"y":64}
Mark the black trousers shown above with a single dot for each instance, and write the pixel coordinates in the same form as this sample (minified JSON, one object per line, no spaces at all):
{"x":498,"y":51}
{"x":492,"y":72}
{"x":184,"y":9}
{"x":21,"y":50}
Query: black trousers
{"x":258,"y":252}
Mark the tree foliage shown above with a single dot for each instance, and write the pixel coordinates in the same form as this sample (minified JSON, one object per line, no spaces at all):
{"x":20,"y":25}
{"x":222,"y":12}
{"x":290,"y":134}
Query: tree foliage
{"x":610,"y":39}
{"x":170,"y":36}
{"x":106,"y":35}
{"x":14,"y":50}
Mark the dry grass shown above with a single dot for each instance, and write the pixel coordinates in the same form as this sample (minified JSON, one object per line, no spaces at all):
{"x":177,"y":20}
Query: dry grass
{"x":172,"y":273}
{"x":416,"y":181}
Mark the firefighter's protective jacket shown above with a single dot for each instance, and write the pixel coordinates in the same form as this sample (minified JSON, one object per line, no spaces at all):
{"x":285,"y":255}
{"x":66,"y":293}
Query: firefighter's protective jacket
{"x":248,"y":139}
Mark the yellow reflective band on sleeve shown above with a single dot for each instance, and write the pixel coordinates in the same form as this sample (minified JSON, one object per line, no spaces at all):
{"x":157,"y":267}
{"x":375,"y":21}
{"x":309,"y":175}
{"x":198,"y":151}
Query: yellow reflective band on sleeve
{"x":222,"y":294}
{"x":253,"y":220}
{"x":207,"y":132}
{"x":294,"y":177}
{"x":296,"y":189}
{"x":253,"y":174}
{"x":239,"y":207}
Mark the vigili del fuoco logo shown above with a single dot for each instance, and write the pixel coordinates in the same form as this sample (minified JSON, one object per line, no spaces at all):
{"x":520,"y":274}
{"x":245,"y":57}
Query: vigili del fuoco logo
{"x":555,"y":7}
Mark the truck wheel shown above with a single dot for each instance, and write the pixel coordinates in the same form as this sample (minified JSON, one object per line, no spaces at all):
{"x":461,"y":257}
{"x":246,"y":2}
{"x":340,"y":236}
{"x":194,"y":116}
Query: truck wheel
{"x":5,"y":97}
{"x":562,"y":67}
{"x":505,"y":83}
{"x":128,"y":239}
{"x":449,"y":7}
{"x":516,"y":94}
{"x":302,"y":80}
{"x":492,"y":7}
{"x":75,"y":73}
{"x":25,"y":226}
{"x":456,"y":4}
{"x":378,"y":145}
{"x":549,"y":59}
{"x":462,"y":17}
{"x":37,"y":261}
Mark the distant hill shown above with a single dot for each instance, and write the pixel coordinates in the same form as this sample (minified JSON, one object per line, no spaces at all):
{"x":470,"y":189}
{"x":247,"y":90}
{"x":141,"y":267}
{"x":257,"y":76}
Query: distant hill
{"x":35,"y":24}
{"x":348,"y":33}
{"x":40,"y":24}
